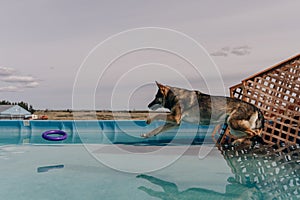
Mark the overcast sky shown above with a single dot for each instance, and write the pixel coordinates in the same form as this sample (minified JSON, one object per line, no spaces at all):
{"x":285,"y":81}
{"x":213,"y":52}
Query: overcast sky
{"x":97,"y":52}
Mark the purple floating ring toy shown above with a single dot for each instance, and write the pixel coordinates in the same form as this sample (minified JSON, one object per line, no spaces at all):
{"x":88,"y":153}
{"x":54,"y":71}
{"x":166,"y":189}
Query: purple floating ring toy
{"x":49,"y":135}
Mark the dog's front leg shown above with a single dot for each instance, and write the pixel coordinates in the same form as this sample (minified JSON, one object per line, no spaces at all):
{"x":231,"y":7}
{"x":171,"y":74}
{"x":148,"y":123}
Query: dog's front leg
{"x":160,"y":129}
{"x":153,"y":117}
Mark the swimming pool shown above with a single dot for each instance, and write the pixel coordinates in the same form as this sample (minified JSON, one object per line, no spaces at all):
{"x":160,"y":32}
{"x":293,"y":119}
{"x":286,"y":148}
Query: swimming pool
{"x":33,"y":168}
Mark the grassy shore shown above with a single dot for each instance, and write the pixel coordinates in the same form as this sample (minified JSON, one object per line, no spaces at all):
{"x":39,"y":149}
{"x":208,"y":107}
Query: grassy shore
{"x":92,"y":115}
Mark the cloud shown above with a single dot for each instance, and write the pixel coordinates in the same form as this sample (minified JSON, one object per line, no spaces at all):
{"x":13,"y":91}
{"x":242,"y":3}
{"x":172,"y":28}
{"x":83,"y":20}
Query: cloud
{"x":18,"y":79}
{"x":4,"y":71}
{"x":222,"y":52}
{"x":238,"y":51}
{"x":10,"y":89}
{"x":33,"y":84}
{"x":17,"y":82}
{"x":241,"y":50}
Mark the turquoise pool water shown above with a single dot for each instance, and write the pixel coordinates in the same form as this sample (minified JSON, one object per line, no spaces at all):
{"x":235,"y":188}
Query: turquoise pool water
{"x":99,"y":132}
{"x":32,"y":168}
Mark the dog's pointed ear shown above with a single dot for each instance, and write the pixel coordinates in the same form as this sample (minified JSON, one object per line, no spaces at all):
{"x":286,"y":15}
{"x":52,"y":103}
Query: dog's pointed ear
{"x":163,"y":89}
{"x":158,"y":84}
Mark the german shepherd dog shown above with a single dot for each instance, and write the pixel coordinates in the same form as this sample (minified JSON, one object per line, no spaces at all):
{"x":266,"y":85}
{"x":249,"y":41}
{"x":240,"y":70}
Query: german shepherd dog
{"x":244,"y":119}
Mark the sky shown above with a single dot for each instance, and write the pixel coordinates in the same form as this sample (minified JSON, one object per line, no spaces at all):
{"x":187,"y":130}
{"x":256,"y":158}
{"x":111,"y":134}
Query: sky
{"x":76,"y":54}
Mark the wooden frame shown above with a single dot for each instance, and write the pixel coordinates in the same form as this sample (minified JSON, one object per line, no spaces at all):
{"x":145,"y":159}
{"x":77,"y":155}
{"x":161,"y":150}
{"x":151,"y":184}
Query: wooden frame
{"x":276,"y":91}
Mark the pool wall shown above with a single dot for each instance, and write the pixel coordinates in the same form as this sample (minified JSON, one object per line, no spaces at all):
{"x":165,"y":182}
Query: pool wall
{"x":92,"y":131}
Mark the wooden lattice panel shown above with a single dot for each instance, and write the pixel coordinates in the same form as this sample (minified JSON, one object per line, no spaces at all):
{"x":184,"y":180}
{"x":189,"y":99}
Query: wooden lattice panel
{"x":276,"y":92}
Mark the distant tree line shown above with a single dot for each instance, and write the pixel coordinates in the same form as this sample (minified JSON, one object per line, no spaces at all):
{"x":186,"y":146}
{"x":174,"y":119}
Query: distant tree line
{"x":21,"y":104}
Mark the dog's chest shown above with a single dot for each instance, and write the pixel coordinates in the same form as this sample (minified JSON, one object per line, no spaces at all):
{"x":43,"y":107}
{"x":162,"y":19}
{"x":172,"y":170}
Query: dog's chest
{"x":191,"y":116}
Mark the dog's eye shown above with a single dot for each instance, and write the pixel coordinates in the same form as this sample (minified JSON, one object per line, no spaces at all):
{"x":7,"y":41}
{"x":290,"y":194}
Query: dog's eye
{"x":160,"y":99}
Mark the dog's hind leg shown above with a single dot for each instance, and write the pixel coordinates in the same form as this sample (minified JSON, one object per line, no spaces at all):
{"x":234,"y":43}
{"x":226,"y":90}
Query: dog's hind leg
{"x":216,"y":129}
{"x":242,"y":140}
{"x":160,"y":129}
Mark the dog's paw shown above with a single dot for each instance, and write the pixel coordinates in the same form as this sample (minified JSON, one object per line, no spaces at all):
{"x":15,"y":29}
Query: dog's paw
{"x":148,"y":121}
{"x":144,"y":135}
{"x":236,"y":142}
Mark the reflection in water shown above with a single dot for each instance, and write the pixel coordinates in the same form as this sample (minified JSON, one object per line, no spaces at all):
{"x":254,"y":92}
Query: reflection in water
{"x":47,"y":168}
{"x":170,"y":191}
{"x":274,"y":170}
{"x":260,"y":173}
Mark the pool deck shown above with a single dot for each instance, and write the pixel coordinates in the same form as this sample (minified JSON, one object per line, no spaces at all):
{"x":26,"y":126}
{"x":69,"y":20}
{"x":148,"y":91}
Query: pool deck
{"x":93,"y":115}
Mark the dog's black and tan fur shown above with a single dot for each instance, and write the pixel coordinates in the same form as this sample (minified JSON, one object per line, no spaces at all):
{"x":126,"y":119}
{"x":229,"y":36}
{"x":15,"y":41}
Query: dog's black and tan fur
{"x":244,"y":119}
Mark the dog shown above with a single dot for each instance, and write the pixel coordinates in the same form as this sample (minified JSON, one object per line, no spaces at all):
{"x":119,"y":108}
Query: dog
{"x":245,"y":120}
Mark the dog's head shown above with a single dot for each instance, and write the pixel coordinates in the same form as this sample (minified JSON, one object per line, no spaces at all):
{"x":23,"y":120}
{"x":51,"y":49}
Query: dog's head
{"x":160,"y":97}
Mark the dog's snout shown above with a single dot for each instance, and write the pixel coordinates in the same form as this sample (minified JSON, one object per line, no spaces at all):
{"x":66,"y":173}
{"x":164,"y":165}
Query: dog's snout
{"x":151,"y":104}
